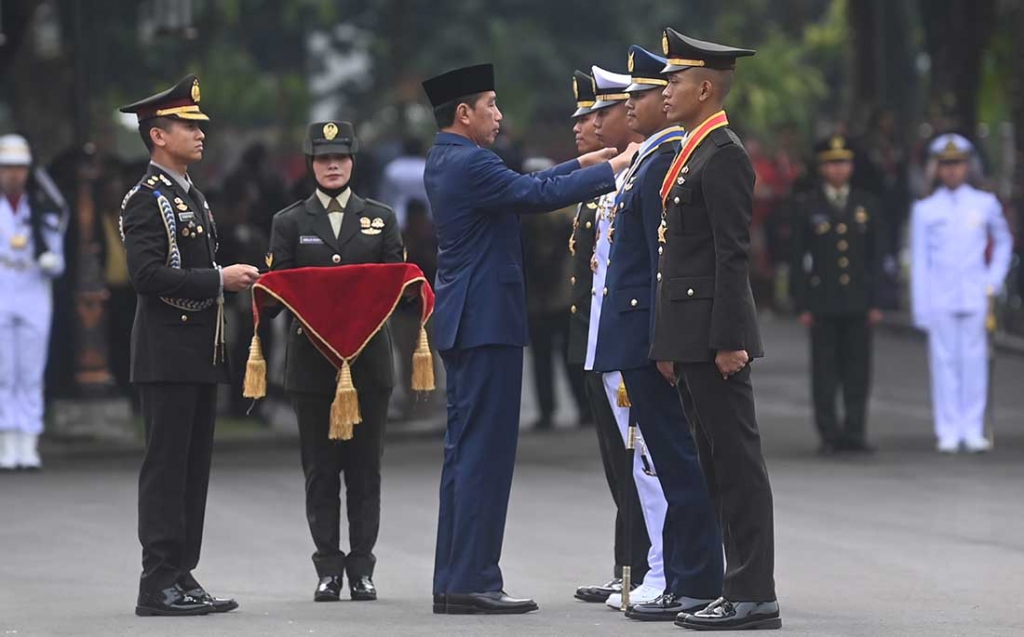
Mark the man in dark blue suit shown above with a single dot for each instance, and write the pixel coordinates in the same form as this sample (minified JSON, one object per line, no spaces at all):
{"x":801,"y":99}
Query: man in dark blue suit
{"x":692,"y":544}
{"x":480,"y":324}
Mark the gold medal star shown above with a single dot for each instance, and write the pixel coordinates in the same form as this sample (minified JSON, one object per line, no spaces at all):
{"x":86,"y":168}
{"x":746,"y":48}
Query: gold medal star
{"x":662,"y":229}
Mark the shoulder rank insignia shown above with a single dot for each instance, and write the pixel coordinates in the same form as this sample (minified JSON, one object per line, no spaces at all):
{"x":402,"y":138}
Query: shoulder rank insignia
{"x":166,"y":181}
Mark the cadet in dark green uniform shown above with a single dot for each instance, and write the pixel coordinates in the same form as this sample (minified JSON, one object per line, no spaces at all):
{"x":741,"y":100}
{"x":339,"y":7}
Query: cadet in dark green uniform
{"x":337,"y":227}
{"x":837,"y":255}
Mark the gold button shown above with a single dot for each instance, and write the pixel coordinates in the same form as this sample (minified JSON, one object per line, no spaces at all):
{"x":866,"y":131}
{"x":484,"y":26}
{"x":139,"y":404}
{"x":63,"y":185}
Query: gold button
{"x":589,"y":225}
{"x":184,"y":318}
{"x":633,"y":302}
{"x":572,"y":280}
{"x":661,"y":250}
{"x":675,"y":200}
{"x":841,"y":228}
{"x":336,"y":258}
{"x":573,"y":309}
{"x":689,"y":292}
{"x":622,"y":204}
{"x":199,"y":230}
{"x":659,"y":276}
{"x":844,"y":279}
{"x":605,"y":292}
{"x":844,"y":262}
{"x":843,"y":245}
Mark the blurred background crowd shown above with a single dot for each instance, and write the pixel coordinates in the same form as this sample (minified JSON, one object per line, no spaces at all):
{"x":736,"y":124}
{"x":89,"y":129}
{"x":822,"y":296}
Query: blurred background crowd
{"x":889,"y":75}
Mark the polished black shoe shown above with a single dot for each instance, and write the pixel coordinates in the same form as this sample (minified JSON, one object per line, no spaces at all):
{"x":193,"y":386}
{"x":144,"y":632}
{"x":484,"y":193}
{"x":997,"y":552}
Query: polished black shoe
{"x":598,"y":594}
{"x":329,"y":589}
{"x":440,"y":604}
{"x":856,"y":445}
{"x":666,"y":608}
{"x":219,"y":605}
{"x":493,"y":603}
{"x":170,"y":602}
{"x":362,"y":589}
{"x":725,"y":615}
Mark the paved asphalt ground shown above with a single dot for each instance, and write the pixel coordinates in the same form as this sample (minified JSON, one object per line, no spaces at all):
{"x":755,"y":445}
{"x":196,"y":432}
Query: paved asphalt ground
{"x":902,"y":543}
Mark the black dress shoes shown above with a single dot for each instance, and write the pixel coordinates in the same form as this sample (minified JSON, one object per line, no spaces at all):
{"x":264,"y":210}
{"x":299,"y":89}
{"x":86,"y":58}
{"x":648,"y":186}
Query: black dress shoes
{"x":493,"y":603}
{"x":598,"y":594}
{"x":329,"y":589}
{"x":666,"y":608}
{"x":170,"y":602}
{"x":362,"y":589}
{"x":219,"y":605}
{"x":440,"y":604}
{"x":725,"y":615}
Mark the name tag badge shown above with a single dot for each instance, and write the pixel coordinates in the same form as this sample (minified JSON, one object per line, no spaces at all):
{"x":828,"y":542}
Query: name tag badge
{"x":185,"y":216}
{"x":310,"y":240}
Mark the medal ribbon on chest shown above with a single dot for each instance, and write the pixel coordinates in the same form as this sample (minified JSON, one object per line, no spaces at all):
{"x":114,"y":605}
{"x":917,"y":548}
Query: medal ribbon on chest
{"x":699,"y":134}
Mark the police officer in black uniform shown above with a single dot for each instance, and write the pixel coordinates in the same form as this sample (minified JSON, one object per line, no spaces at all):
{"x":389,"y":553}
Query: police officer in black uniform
{"x":837,"y":255}
{"x":705,"y":326}
{"x":177,"y":347}
{"x":337,"y":227}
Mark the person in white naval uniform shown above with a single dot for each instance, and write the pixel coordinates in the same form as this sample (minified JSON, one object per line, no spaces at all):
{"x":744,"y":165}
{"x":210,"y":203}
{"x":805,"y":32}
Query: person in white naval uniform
{"x":31,"y":255}
{"x":950,"y":285}
{"x":613,"y":130}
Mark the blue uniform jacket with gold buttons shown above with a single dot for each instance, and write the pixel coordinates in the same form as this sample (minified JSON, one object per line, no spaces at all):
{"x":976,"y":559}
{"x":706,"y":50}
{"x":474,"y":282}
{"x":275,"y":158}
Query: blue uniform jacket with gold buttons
{"x":476,"y":201}
{"x":624,"y":336}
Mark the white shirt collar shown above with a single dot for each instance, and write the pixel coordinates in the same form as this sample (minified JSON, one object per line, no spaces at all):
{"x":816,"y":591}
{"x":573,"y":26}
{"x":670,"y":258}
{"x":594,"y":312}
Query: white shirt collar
{"x":181,"y":178}
{"x":325,"y":199}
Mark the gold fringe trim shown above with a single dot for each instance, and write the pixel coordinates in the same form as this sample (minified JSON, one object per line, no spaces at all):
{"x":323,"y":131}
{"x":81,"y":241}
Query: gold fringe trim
{"x":255,"y":384}
{"x":423,"y":365}
{"x":345,"y":408}
{"x":623,"y":397}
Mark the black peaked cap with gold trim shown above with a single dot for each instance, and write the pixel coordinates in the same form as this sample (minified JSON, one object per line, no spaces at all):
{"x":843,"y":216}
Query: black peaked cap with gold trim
{"x":684,"y":52}
{"x":645,"y":70}
{"x":835,"y":148}
{"x":584,"y":91}
{"x":330,"y":138}
{"x":457,"y":83}
{"x":181,"y":101}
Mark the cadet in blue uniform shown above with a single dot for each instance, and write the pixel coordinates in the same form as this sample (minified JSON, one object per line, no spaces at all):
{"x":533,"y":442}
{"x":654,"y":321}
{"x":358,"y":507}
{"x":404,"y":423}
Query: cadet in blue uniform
{"x":950,"y":280}
{"x":333,"y":227}
{"x":837,"y":257}
{"x":177,"y":347}
{"x":691,"y":543}
{"x":480,"y":324}
{"x":705,"y":324}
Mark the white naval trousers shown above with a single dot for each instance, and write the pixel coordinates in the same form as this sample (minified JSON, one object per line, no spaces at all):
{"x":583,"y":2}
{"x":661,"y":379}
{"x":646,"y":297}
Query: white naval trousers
{"x":648,"y":488}
{"x":24,"y":339}
{"x":958,"y":353}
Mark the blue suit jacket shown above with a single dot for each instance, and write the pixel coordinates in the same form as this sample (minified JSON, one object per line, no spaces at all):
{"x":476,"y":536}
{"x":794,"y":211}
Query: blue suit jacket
{"x":476,"y":202}
{"x":623,"y":337}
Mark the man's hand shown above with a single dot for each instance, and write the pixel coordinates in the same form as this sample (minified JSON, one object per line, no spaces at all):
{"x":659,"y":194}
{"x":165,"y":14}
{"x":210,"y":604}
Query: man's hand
{"x":806,"y":319}
{"x":874,"y":317}
{"x":621,"y":161}
{"x":596,"y":157}
{"x":729,"y":363}
{"x":239,"y":276}
{"x":668,"y":371}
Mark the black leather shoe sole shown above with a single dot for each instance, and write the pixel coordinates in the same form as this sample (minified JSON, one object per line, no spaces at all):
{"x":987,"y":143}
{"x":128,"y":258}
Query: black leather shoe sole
{"x":667,"y":616}
{"x":363,"y":596}
{"x":146,"y":611}
{"x":326,"y":597}
{"x":440,"y":605}
{"x":473,"y":609}
{"x":754,"y":622}
{"x":225,"y":606}
{"x":591,"y":596}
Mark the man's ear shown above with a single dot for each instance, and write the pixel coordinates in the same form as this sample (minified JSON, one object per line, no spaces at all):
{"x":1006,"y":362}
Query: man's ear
{"x":156,"y":134}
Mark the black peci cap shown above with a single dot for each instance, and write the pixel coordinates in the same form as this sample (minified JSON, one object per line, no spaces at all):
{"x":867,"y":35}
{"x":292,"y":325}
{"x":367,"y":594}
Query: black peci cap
{"x":458,"y":83}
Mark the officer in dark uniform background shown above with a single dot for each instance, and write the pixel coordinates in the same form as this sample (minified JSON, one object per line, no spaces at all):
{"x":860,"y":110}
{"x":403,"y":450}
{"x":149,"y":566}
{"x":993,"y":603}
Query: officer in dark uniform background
{"x":332,"y":227}
{"x":705,"y":325}
{"x":177,"y":347}
{"x":837,"y":255}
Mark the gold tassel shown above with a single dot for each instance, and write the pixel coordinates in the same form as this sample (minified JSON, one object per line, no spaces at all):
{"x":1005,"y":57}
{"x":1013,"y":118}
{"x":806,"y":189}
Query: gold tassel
{"x":255,"y":384}
{"x":623,"y":396}
{"x":345,"y":408}
{"x":423,"y":365}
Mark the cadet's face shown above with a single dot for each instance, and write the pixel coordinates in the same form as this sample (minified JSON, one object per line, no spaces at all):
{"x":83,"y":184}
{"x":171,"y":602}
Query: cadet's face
{"x":183,"y":141}
{"x":953,"y":173}
{"x":13,"y":179}
{"x":836,"y":173}
{"x":332,"y":171}
{"x":681,"y":96}
{"x":484,"y":119}
{"x":645,"y":112}
{"x":586,"y":135}
{"x":612,"y":127}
